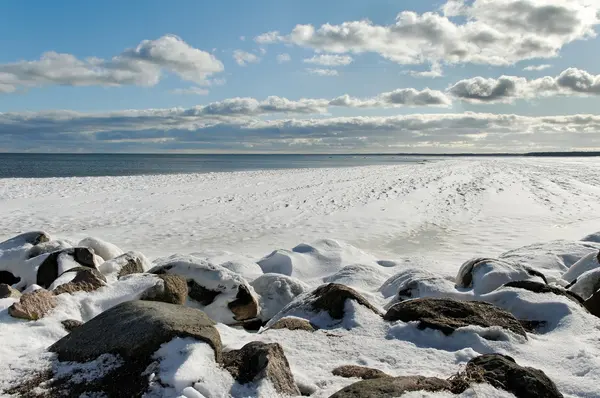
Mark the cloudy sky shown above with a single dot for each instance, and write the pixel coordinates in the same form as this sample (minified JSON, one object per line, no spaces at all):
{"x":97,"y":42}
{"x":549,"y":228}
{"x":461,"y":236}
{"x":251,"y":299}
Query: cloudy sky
{"x":303,"y":76}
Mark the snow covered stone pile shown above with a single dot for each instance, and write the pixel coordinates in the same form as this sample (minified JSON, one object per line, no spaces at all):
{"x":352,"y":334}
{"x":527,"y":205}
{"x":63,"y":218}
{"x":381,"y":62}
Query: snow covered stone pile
{"x":320,"y":320}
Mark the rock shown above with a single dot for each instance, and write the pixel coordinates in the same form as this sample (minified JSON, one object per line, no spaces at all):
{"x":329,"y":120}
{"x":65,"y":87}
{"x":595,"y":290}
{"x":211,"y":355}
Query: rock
{"x":592,"y":304}
{"x":7,"y":291}
{"x":332,"y":298}
{"x":392,"y":387}
{"x":71,"y":324}
{"x":126,"y":264}
{"x":58,"y":262}
{"x":173,"y":290}
{"x":102,"y":248}
{"x":225,"y":296}
{"x":484,"y":275}
{"x":257,"y":361}
{"x":532,"y":326}
{"x":360,"y":372}
{"x":502,"y":372}
{"x":33,"y":306}
{"x":586,"y":284}
{"x":85,"y":279}
{"x":32,"y":238}
{"x":537,"y":287}
{"x":135,"y":330}
{"x":367,"y":277}
{"x":275,"y":291}
{"x":48,"y":247}
{"x":592,"y":238}
{"x":293,"y":323}
{"x":587,"y":263}
{"x":8,"y":278}
{"x":447,"y":315}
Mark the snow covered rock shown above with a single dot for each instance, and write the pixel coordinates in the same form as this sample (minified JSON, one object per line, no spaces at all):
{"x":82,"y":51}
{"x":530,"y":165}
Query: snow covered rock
{"x":414,"y":283}
{"x":57,"y":263}
{"x":134,"y":330}
{"x":104,"y":249}
{"x":225,"y":296}
{"x":48,"y":247}
{"x":7,"y":291}
{"x":258,"y":361}
{"x":502,"y":372}
{"x":275,"y":291}
{"x":587,"y":263}
{"x":293,"y":323}
{"x":28,"y":238}
{"x":170,"y":289}
{"x":359,"y":276}
{"x":33,"y":306}
{"x":128,"y":263}
{"x":15,"y":266}
{"x":538,"y":287}
{"x":586,"y":284}
{"x":392,"y":387}
{"x":592,"y":238}
{"x":484,"y":275}
{"x":447,"y":315}
{"x":592,"y":304}
{"x":78,"y":279}
{"x":360,"y":372}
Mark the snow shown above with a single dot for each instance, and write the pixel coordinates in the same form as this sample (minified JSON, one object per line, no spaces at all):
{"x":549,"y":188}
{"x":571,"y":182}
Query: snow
{"x":282,"y":233}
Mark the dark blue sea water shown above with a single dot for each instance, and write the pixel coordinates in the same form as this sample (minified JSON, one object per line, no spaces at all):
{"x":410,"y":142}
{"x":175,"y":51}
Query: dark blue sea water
{"x":81,"y":165}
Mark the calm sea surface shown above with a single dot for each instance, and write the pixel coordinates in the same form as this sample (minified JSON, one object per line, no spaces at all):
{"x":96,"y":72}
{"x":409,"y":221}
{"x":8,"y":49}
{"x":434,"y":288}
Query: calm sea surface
{"x":81,"y":165}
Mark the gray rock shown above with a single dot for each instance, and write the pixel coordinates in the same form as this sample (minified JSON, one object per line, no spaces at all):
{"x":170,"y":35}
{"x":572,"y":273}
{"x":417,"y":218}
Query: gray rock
{"x":502,"y":372}
{"x":70,"y":324}
{"x":447,"y":315}
{"x":48,"y":247}
{"x":292,"y":323}
{"x":86,"y":279}
{"x":48,"y":269}
{"x":33,"y":306}
{"x":7,"y":291}
{"x":257,"y":361}
{"x":201,"y":294}
{"x":360,"y":372}
{"x":245,"y":305}
{"x":392,"y":387}
{"x":135,"y":330}
{"x":537,"y":287}
{"x":133,"y":264}
{"x":173,"y":290}
{"x":332,"y":298}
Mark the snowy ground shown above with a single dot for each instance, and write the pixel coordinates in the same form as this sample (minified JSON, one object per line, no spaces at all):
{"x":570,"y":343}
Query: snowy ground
{"x":434,"y":216}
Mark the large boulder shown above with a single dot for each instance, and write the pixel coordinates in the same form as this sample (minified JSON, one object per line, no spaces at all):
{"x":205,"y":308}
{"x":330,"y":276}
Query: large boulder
{"x":135,"y":330}
{"x":57,"y":263}
{"x":225,"y":296}
{"x":392,"y":387}
{"x":171,"y":289}
{"x":15,"y":267}
{"x":447,"y":315}
{"x":484,"y":275}
{"x":30,"y":238}
{"x":590,"y":261}
{"x":34,"y":305}
{"x":538,"y":287}
{"x":78,"y":279}
{"x":128,"y":263}
{"x":104,"y":249}
{"x":332,"y":298}
{"x":257,"y":361}
{"x":275,"y":291}
{"x":360,"y":372}
{"x":7,"y":291}
{"x":502,"y":372}
{"x":586,"y":284}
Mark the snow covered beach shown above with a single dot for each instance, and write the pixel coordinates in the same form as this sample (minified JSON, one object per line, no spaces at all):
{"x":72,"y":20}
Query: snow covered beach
{"x":390,"y":232}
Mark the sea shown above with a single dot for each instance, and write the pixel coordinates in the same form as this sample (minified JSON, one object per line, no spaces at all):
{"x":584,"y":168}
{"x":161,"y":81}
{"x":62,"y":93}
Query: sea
{"x":18,"y":165}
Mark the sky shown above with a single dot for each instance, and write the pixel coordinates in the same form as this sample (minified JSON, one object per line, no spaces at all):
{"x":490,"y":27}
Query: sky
{"x":271,"y":76}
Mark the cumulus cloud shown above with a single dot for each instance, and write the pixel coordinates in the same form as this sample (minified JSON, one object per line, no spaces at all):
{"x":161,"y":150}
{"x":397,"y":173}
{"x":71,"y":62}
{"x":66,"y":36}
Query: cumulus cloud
{"x":329,"y":60}
{"x":191,"y":90}
{"x":495,"y":32}
{"x":537,"y":67}
{"x":175,"y":129}
{"x":243,"y":58}
{"x":433,"y":72}
{"x":283,"y":58}
{"x":141,"y":66}
{"x":408,"y":97}
{"x":322,"y":72}
{"x":571,"y":81}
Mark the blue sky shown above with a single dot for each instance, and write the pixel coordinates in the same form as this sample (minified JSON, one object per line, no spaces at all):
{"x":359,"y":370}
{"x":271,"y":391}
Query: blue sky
{"x":310,"y":76}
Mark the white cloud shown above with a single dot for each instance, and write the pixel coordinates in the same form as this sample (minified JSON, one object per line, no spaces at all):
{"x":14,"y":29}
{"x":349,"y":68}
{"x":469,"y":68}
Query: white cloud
{"x":537,"y":67}
{"x":142,"y":66}
{"x":401,"y":97}
{"x":243,"y":58}
{"x":191,"y":90}
{"x":329,"y":60}
{"x":243,"y":38}
{"x":433,"y":72}
{"x":496,"y":32}
{"x":572,"y":81}
{"x":322,"y":72}
{"x":282,"y":58}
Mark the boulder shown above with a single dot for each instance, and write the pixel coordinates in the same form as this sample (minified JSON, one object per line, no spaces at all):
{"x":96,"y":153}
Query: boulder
{"x":367,"y":277}
{"x":275,"y":291}
{"x":128,"y":263}
{"x":586,"y":284}
{"x":502,"y":372}
{"x":257,"y":361}
{"x":104,"y":249}
{"x":332,"y":298}
{"x":48,"y":247}
{"x":31,"y":238}
{"x":293,"y":323}
{"x":447,"y":315}
{"x":173,"y":289}
{"x":34,"y":305}
{"x":392,"y":387}
{"x":71,"y":324}
{"x":484,"y":275}
{"x":360,"y":372}
{"x":79,"y":279}
{"x":587,"y":263}
{"x":225,"y":296}
{"x":7,"y":291}
{"x":538,"y":287}
{"x":58,"y":262}
{"x":135,"y":330}
{"x":592,"y":304}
